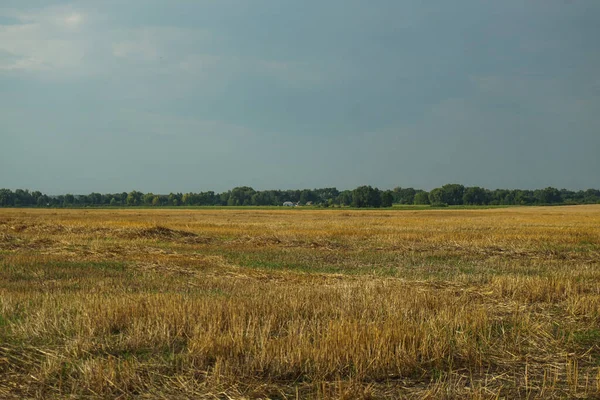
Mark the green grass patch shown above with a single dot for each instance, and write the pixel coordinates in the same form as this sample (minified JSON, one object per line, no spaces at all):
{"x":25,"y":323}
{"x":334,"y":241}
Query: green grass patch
{"x":61,"y":270}
{"x":587,"y":338}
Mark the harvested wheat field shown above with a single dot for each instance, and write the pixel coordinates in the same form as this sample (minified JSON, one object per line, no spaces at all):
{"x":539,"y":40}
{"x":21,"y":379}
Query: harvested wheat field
{"x":300,"y":303}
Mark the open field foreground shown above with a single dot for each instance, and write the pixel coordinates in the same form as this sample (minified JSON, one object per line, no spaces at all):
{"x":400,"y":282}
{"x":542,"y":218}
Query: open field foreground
{"x":500,"y":303}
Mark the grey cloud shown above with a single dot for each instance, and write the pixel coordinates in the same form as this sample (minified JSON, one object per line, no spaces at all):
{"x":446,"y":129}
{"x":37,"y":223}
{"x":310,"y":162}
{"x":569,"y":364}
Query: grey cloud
{"x":205,"y":95}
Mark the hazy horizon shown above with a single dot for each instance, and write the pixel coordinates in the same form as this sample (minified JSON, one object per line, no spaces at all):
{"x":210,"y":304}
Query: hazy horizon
{"x":190,"y":96}
{"x":57,"y":194}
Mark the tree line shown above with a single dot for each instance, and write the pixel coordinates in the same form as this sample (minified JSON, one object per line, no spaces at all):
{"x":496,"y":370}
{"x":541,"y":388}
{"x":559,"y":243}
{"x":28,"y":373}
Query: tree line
{"x":363,"y":196}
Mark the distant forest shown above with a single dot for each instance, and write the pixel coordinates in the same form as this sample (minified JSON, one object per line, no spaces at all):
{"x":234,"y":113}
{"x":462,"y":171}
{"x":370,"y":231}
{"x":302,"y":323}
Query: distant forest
{"x":363,"y":196}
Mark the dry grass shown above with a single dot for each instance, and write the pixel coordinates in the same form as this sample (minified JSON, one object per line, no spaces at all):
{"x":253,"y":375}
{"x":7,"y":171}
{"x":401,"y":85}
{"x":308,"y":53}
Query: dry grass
{"x":292,"y":304}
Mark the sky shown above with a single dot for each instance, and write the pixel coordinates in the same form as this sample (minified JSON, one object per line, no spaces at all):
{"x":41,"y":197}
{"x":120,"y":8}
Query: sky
{"x":197,"y":95}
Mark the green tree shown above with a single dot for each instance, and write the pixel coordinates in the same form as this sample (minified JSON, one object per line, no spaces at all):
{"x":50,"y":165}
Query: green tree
{"x":523,"y":197}
{"x":23,"y":198}
{"x":175,"y":199}
{"x":134,"y":198}
{"x":69,"y":200}
{"x":189,"y":199}
{"x":366,"y":196}
{"x":453,"y":194}
{"x":344,"y":198}
{"x":404,"y":195}
{"x":475,"y":196}
{"x":147,"y":199}
{"x":437,"y":198}
{"x":591,"y":196}
{"x":499,"y":196}
{"x":548,"y":195}
{"x":241,"y":196}
{"x":387,"y":198}
{"x":326,"y":194}
{"x":35,"y":195}
{"x":421,"y":197}
{"x":208,"y":199}
{"x":7,"y":198}
{"x":95,"y":198}
{"x":42,"y":201}
{"x":262,"y":199}
{"x":307,"y":195}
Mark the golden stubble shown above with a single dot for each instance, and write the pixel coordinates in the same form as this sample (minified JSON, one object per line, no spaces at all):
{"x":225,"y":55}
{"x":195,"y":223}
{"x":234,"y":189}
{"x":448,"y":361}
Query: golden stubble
{"x":221,"y":303}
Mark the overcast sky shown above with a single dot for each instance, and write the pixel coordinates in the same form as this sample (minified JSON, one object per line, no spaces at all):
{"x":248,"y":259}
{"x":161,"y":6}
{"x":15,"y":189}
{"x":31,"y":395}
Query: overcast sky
{"x":196,"y":95}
